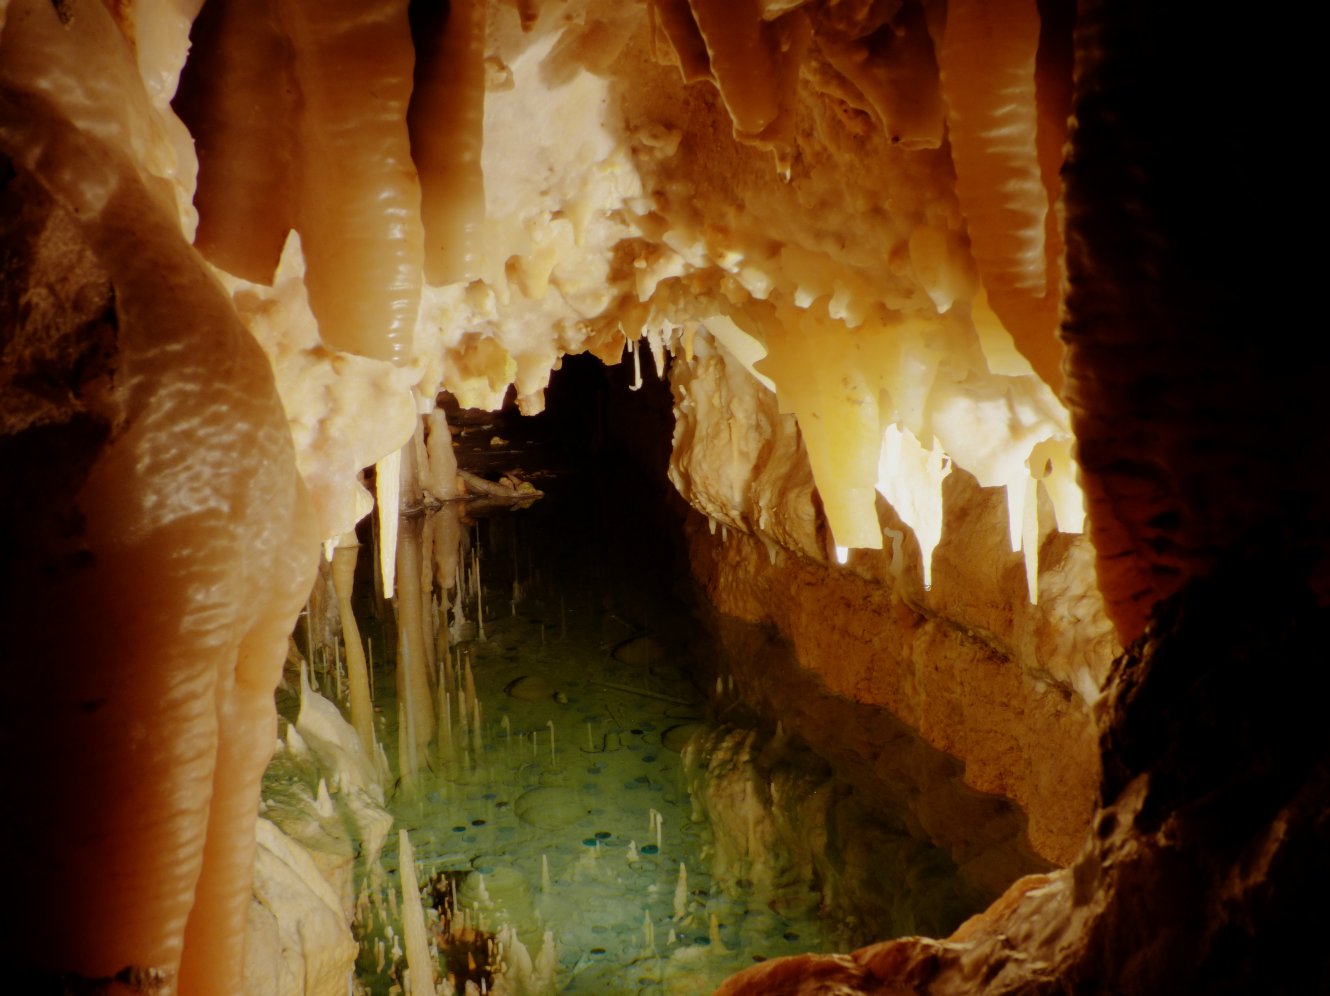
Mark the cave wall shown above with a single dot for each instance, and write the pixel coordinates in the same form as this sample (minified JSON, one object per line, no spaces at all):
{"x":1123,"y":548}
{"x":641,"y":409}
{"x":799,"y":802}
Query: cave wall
{"x":1005,"y":684}
{"x":1020,"y":732}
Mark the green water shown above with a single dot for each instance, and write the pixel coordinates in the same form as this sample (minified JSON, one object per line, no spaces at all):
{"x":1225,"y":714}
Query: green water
{"x":568,"y":811}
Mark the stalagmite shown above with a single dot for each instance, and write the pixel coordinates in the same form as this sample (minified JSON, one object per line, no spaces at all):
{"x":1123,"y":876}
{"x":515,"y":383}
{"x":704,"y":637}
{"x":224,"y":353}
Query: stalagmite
{"x":168,"y":606}
{"x":336,"y":669}
{"x":463,"y":711}
{"x":553,"y":204}
{"x":476,"y":728}
{"x":469,"y":677}
{"x":445,"y":723}
{"x":518,"y":969}
{"x":387,"y":495}
{"x":412,"y":660}
{"x":418,"y":957}
{"x":547,"y":961}
{"x":428,"y":617}
{"x":406,"y":746}
{"x":681,"y":893}
{"x":357,"y":674}
{"x":480,"y":593}
{"x":323,"y":804}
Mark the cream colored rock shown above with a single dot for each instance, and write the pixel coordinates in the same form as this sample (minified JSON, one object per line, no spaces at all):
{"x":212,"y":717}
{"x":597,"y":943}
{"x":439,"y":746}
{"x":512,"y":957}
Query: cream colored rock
{"x":335,"y":744}
{"x":299,"y":941}
{"x":325,"y":393}
{"x":735,"y":458}
{"x":439,"y":469}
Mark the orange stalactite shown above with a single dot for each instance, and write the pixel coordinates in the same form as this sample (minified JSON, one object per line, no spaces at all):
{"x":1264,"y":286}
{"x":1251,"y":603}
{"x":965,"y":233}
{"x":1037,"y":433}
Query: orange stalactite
{"x":987,"y":60}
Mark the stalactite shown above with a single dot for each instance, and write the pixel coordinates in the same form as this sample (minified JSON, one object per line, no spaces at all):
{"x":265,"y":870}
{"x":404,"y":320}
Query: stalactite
{"x":358,"y":204}
{"x":895,"y":69}
{"x":302,"y":115}
{"x":244,"y":131}
{"x":446,"y":120}
{"x":987,"y":61}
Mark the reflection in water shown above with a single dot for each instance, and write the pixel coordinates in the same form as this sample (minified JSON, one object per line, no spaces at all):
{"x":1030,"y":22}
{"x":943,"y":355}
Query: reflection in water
{"x":531,"y":695}
{"x":840,"y":805}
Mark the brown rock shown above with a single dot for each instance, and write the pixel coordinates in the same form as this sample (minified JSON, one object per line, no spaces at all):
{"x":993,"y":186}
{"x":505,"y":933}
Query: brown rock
{"x":981,"y":694}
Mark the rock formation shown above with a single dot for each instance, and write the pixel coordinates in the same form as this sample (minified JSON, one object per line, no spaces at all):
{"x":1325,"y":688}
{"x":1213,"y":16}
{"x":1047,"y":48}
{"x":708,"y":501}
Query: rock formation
{"x":848,"y":233}
{"x":1210,"y":831}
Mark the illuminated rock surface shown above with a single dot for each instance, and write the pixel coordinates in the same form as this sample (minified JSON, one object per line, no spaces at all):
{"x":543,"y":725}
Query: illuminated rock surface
{"x":835,"y":224}
{"x":297,"y":938}
{"x":160,"y":561}
{"x":982,"y":674}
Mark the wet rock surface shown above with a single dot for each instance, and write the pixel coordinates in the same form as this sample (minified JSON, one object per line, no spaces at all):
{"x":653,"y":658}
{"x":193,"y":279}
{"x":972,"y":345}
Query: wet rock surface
{"x":1208,"y":848}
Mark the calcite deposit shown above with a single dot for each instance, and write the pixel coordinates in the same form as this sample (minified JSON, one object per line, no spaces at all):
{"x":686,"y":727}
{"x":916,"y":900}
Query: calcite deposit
{"x":298,"y":938}
{"x":837,"y":227}
{"x":595,"y":200}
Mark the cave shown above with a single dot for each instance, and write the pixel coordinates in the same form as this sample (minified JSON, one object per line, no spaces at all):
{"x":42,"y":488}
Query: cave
{"x":949,"y":352}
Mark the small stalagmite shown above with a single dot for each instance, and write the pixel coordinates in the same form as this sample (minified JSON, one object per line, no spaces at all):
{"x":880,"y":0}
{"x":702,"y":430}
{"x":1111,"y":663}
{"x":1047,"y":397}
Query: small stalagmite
{"x":412,"y":662}
{"x":357,"y":674}
{"x":418,"y":958}
{"x":681,"y":893}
